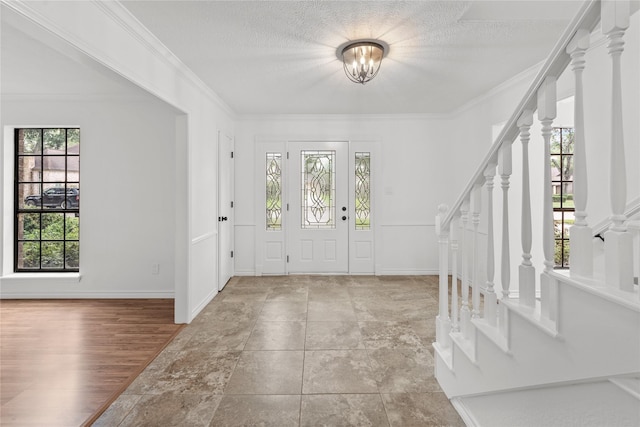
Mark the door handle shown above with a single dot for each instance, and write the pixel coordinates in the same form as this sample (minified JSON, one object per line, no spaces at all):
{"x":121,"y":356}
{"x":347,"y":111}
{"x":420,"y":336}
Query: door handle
{"x":344,"y":218}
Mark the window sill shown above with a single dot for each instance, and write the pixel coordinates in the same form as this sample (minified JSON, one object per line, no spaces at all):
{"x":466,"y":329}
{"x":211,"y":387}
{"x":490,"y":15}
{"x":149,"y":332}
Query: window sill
{"x":75,"y":277}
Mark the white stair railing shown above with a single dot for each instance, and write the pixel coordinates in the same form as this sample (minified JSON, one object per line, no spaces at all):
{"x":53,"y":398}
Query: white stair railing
{"x":458,"y":227}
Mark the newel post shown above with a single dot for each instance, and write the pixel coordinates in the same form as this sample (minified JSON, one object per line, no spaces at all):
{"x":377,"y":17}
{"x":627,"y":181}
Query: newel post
{"x":443,"y":322}
{"x":618,"y":243}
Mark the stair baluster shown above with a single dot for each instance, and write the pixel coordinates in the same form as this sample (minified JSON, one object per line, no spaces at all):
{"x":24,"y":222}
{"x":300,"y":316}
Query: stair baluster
{"x":490,"y":298}
{"x":505,"y":170}
{"x":618,"y":243}
{"x":527,"y":272}
{"x":476,"y":198}
{"x":443,"y":323}
{"x":580,"y":233}
{"x":453,"y":237}
{"x":465,"y":314}
{"x":546,"y":113}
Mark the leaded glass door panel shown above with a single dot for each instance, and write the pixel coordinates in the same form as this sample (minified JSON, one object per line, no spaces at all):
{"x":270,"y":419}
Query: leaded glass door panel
{"x":318,"y":239}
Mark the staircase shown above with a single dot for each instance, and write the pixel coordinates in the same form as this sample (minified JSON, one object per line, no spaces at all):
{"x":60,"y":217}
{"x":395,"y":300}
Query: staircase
{"x":550,"y":347}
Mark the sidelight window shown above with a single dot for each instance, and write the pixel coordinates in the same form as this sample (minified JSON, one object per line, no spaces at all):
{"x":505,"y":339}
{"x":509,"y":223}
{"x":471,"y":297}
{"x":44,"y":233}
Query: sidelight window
{"x":363,"y":191}
{"x":274,"y":191}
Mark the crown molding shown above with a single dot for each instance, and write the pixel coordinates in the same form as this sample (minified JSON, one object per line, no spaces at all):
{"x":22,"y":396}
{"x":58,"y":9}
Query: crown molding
{"x":340,"y":117}
{"x":118,"y":14}
{"x":122,"y":16}
{"x":76,"y":97}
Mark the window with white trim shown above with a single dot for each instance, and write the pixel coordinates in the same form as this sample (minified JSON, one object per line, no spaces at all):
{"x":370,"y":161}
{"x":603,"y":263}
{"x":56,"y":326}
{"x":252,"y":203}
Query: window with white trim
{"x":47,"y":200}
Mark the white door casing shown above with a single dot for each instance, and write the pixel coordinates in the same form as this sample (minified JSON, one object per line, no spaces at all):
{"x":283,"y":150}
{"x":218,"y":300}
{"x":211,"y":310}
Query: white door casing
{"x":225,"y":209}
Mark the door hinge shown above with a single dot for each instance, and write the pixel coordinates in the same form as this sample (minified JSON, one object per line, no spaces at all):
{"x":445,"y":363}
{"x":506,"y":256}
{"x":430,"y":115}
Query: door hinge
{"x":287,"y":207}
{"x":232,"y":204}
{"x":231,"y":254}
{"x":232,"y":154}
{"x":287,"y":155}
{"x":287,"y":258}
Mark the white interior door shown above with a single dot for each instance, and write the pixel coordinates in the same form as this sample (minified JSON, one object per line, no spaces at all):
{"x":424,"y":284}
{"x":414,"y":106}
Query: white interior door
{"x":318,"y":211}
{"x":225,"y":210}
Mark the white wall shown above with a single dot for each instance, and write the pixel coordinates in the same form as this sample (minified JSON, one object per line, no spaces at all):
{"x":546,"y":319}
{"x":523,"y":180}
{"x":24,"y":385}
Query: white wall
{"x":126,"y":47}
{"x":415,"y":177}
{"x":128,"y":196}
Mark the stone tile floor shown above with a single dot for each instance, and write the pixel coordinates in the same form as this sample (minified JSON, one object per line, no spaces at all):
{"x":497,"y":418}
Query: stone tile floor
{"x":298,"y":351}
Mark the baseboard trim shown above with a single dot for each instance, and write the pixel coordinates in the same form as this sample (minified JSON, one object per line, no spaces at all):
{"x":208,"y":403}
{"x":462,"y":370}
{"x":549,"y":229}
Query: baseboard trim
{"x":88,"y":295}
{"x":466,"y":416}
{"x":404,"y":272}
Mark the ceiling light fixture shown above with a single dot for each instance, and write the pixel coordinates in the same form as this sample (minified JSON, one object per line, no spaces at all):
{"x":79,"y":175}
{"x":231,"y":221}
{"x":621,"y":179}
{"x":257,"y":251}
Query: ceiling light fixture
{"x":361,"y":60}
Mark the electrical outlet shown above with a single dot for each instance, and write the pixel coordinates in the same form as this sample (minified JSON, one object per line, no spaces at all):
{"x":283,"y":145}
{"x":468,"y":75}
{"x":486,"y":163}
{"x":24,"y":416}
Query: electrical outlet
{"x":155,"y":269}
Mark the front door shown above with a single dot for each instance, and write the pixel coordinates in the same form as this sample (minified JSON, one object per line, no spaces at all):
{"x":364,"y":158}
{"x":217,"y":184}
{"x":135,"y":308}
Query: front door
{"x":318,"y":208}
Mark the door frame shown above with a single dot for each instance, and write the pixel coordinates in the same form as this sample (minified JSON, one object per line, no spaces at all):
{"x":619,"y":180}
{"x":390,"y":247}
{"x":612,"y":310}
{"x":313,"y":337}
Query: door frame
{"x":270,"y":248}
{"x":225,"y":208}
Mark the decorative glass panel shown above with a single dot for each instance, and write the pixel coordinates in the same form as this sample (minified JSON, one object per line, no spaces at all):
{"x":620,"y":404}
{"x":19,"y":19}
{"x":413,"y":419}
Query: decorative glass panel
{"x":318,"y":189}
{"x":363,"y":191}
{"x":274,"y":191}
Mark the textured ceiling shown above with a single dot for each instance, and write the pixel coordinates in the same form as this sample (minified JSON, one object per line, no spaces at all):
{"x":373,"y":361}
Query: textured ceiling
{"x":280,"y":56}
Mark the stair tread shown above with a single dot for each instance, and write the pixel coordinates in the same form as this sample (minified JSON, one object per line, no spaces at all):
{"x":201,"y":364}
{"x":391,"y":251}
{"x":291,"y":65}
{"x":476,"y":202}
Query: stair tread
{"x":586,"y":404}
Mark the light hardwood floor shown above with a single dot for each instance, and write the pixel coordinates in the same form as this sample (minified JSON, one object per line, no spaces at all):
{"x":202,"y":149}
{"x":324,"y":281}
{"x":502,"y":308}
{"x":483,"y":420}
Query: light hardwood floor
{"x":62,"y":362}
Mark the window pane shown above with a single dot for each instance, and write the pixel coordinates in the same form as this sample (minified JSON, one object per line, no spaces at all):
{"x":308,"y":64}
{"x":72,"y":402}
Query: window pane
{"x":363,"y":191}
{"x":72,"y":226}
{"x":556,"y":137}
{"x":29,"y":196}
{"x":52,"y":226}
{"x":567,"y":168}
{"x":556,"y":168}
{"x":54,"y":141}
{"x":29,"y":141}
{"x":54,"y":169}
{"x":567,"y":140}
{"x":29,"y":168}
{"x":567,"y":195}
{"x":318,"y":189}
{"x":52,"y":254}
{"x":274,"y":191}
{"x":28,"y":255}
{"x":72,"y":255}
{"x":29,"y":226}
{"x":73,"y":140}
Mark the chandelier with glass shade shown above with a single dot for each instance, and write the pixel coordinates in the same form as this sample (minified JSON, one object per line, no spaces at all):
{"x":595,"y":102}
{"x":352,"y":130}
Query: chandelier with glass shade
{"x":361,"y":60}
